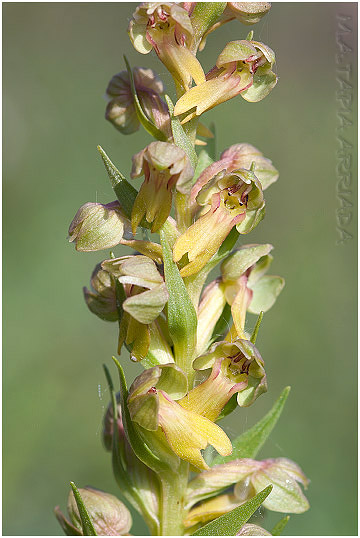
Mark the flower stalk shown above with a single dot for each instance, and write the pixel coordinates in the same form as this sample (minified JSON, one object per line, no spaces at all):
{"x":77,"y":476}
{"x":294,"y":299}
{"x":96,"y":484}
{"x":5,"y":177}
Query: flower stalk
{"x":192,"y":339}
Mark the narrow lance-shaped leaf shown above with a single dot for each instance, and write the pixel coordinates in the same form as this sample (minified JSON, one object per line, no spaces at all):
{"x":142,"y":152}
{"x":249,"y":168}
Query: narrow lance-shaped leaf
{"x":137,"y":443}
{"x":182,"y":319}
{"x":248,"y":444}
{"x":143,"y":119}
{"x":124,"y":191}
{"x":256,"y":328}
{"x":280,"y":526}
{"x":180,"y":137}
{"x":230,"y":523}
{"x":86,"y":523}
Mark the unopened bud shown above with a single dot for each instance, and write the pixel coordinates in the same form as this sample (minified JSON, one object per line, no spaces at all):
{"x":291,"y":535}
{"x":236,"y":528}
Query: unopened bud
{"x":98,"y":226}
{"x":109,"y":516}
{"x":248,"y":12}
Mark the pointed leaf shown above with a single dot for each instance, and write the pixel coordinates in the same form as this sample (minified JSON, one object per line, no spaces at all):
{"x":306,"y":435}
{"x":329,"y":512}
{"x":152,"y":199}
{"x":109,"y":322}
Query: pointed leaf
{"x":143,"y":119}
{"x":124,"y":191}
{"x":204,"y":160}
{"x":182,"y":319}
{"x":86,"y":523}
{"x":280,"y":526}
{"x":230,"y":523}
{"x":180,"y":138}
{"x":248,"y":444}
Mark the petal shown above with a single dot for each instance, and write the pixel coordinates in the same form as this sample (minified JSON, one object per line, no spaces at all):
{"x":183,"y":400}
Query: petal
{"x":263,"y":82}
{"x":265,"y":292}
{"x":293,"y":469}
{"x":187,"y":432}
{"x":209,"y":510}
{"x":137,"y":33}
{"x":145,"y":307}
{"x":208,"y":483}
{"x":141,"y":268}
{"x":202,"y":240}
{"x":242,"y":259}
{"x":286,"y":495}
{"x":236,"y":51}
{"x":209,"y":398}
{"x":210,"y":309}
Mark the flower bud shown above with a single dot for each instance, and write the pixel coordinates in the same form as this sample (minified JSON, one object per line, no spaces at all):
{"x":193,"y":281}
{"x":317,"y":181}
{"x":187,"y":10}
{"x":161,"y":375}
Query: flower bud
{"x":120,"y":110}
{"x":249,"y":529}
{"x":98,"y":226}
{"x":109,"y":516}
{"x":247,"y":12}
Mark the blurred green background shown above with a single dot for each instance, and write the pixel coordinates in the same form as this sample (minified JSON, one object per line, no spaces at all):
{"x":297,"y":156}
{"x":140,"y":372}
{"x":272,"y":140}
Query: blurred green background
{"x":58,"y":59}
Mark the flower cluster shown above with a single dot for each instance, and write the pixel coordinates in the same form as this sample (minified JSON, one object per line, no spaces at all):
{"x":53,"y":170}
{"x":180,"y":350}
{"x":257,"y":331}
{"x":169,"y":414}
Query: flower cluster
{"x":192,"y":339}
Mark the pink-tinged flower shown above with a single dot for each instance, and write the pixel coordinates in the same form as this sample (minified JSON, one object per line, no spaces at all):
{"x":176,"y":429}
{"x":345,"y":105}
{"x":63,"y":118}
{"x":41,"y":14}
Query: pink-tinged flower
{"x":120,"y":110}
{"x":152,"y":405}
{"x":235,"y":157}
{"x":243,"y":68}
{"x":166,"y":167}
{"x":237,"y":367}
{"x":166,"y":28}
{"x":250,"y":477}
{"x":235,"y":199}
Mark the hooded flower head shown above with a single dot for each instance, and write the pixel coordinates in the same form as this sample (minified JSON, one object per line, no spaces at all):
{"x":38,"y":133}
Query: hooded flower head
{"x":235,"y":199}
{"x":152,"y":405}
{"x":237,"y":367}
{"x":243,"y":68}
{"x":249,"y":477}
{"x":165,"y":167}
{"x":166,"y":28}
{"x":120,"y":110}
{"x":235,"y":157}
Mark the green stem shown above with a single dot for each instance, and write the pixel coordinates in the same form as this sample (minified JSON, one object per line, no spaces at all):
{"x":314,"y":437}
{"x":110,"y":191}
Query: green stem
{"x":182,"y":212}
{"x":172,"y":501}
